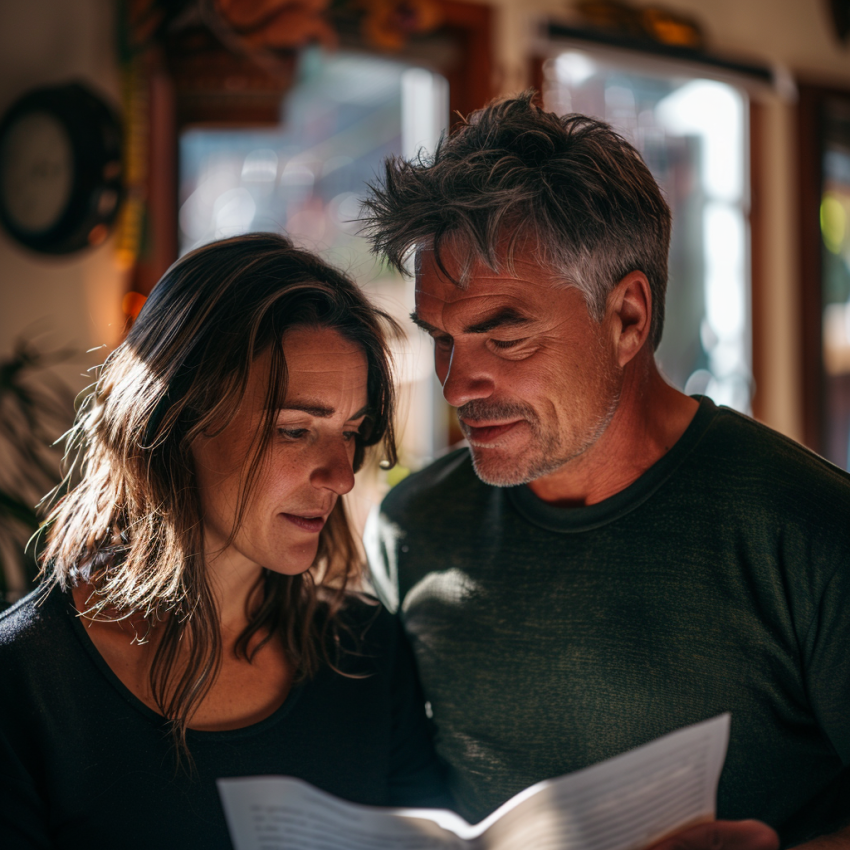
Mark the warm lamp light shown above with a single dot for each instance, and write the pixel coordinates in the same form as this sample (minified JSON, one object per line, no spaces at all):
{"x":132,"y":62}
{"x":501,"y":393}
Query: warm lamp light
{"x":133,"y":303}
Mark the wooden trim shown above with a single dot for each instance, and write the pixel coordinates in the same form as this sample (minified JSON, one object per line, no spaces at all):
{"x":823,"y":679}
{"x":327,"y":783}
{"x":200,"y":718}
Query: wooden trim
{"x":215,"y":87}
{"x":810,"y":182}
{"x":470,"y":25}
{"x":810,"y":141}
{"x":759,"y":239}
{"x":537,"y":77}
{"x":703,"y":62}
{"x":159,"y":243}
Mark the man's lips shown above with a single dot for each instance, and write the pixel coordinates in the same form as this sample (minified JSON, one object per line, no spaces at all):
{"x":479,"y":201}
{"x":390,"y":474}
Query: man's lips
{"x":307,"y":523}
{"x":481,"y":433}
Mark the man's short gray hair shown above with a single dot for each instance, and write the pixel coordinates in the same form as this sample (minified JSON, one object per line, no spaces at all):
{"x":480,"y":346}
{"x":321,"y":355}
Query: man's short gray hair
{"x":568,"y":186}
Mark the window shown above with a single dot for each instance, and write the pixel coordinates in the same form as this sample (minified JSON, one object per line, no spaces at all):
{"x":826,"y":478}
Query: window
{"x":306,"y":178}
{"x":692,"y":134}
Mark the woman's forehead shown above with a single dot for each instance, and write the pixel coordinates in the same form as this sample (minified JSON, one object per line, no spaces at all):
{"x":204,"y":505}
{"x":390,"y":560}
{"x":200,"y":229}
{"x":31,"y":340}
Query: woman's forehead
{"x":324,"y":371}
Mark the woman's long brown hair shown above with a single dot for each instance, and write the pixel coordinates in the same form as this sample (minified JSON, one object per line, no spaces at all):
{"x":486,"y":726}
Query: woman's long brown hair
{"x":132,"y":527}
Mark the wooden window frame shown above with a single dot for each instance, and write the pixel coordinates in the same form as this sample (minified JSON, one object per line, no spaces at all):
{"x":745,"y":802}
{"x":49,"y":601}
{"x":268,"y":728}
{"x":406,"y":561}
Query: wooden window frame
{"x":810,"y":141}
{"x":249,"y":97}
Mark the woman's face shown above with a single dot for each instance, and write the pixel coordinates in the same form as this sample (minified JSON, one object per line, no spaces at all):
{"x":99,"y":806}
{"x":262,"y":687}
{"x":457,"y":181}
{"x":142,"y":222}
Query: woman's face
{"x":308,"y":464}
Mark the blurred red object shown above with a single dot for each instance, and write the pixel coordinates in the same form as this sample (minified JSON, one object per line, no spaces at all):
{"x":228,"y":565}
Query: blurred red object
{"x":277,"y":24}
{"x":650,"y":22}
{"x":389,"y":24}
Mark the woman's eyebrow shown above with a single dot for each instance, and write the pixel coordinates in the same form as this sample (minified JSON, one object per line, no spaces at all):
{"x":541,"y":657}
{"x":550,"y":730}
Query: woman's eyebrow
{"x":321,"y":411}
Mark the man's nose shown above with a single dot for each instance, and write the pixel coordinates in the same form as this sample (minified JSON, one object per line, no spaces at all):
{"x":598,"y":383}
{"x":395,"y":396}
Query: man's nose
{"x":334,"y":470}
{"x":466,"y":378}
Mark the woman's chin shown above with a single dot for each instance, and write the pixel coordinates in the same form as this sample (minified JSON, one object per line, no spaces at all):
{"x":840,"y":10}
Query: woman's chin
{"x":293,"y":563}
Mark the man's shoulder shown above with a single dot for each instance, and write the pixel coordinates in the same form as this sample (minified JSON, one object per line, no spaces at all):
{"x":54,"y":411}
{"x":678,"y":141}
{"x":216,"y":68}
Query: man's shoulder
{"x":422,"y":522}
{"x":448,"y":477}
{"x":755,"y":443}
{"x":755,"y":461}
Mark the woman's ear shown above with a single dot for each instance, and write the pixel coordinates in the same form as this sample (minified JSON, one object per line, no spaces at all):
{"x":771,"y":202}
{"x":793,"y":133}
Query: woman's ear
{"x":629,"y":311}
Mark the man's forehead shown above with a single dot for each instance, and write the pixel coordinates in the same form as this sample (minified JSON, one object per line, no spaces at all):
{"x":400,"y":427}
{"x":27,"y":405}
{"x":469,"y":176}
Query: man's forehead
{"x":491,"y":299}
{"x":521,"y":273}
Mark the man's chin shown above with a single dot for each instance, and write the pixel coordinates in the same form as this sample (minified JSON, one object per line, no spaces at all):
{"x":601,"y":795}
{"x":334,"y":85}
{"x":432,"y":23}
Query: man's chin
{"x":502,"y":467}
{"x":500,"y":470}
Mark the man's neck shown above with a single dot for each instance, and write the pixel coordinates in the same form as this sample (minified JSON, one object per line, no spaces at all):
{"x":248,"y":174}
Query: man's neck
{"x":650,"y":418}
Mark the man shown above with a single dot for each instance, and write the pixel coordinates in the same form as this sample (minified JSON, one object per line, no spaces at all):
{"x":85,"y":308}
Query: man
{"x":611,"y":559}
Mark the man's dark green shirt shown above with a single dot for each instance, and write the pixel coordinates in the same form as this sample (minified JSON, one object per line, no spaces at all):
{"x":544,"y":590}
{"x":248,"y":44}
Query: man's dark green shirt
{"x":549,"y":639}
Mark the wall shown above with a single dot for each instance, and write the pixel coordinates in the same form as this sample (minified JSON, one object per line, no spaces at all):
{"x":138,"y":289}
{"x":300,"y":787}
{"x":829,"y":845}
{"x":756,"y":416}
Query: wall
{"x":73,"y":300}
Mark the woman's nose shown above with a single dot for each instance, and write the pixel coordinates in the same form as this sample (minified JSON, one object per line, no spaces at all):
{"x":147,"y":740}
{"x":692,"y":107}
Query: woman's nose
{"x":334,"y":469}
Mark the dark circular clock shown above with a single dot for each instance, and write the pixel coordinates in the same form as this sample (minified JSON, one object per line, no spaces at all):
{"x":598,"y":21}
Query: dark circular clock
{"x":60,"y":169}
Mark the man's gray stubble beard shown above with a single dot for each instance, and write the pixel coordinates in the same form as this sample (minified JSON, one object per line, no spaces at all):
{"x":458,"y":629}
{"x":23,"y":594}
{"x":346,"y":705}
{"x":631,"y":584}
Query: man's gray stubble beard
{"x":547,"y":458}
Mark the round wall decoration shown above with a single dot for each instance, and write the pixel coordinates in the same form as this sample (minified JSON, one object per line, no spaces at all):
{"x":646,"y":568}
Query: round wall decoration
{"x":60,"y":169}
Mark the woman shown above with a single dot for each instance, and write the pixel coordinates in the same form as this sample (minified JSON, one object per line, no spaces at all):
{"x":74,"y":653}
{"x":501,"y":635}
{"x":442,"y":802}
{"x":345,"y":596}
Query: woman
{"x":194,"y":621}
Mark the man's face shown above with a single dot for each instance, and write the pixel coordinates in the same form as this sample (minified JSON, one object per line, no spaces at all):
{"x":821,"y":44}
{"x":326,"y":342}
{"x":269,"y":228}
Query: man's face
{"x":533,"y":376}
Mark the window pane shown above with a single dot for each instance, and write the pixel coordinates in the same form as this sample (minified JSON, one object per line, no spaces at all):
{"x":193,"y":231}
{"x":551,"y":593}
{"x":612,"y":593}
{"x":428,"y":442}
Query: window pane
{"x":343,"y":117}
{"x":691,"y":133}
{"x":306,"y":178}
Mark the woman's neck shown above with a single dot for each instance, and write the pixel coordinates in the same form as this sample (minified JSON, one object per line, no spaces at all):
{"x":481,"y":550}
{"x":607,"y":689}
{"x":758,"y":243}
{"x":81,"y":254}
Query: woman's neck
{"x":234,"y":581}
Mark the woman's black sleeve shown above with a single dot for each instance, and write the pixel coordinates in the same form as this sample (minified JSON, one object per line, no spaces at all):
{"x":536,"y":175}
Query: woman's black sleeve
{"x":23,"y":819}
{"x":417,"y":777}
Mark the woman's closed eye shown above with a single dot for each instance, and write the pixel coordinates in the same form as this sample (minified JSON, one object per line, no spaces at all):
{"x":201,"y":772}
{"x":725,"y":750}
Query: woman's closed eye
{"x":357,"y":428}
{"x":292,"y":433}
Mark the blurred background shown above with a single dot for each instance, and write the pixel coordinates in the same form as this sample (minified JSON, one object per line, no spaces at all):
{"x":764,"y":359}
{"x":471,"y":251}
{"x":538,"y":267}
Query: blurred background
{"x":135,"y":130}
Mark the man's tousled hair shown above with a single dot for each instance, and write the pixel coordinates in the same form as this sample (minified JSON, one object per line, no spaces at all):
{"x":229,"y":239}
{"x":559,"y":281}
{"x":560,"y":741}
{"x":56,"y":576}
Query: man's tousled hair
{"x":569,"y":187}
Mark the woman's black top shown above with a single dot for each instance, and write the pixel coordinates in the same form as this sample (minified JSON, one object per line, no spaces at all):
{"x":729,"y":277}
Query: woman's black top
{"x":84,"y":763}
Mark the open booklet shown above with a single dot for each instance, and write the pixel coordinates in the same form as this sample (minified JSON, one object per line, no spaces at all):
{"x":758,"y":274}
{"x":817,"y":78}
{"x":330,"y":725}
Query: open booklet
{"x":625,"y":803}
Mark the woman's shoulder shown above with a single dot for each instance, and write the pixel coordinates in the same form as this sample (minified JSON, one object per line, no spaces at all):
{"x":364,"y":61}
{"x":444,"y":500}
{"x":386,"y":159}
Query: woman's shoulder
{"x":34,"y":641}
{"x":27,"y":621}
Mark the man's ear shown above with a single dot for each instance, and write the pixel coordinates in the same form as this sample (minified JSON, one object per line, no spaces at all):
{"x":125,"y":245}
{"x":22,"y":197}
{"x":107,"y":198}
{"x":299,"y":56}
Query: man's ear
{"x":629,"y":311}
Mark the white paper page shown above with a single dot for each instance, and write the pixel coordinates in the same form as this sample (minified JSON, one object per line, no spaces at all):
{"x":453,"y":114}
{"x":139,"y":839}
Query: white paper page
{"x":282,"y":813}
{"x":625,"y":803}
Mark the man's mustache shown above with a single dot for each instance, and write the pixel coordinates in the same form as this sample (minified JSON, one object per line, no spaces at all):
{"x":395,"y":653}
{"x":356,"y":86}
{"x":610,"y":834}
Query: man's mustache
{"x":477,"y":410}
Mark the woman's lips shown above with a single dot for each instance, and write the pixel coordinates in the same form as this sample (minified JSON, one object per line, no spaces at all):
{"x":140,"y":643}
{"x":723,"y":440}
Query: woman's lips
{"x":479,"y":435}
{"x":314,"y":524}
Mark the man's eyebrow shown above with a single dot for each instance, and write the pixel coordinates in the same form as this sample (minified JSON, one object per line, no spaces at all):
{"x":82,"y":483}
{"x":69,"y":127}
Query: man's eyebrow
{"x":421,"y":323}
{"x":321,"y":411}
{"x":506,"y":317}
